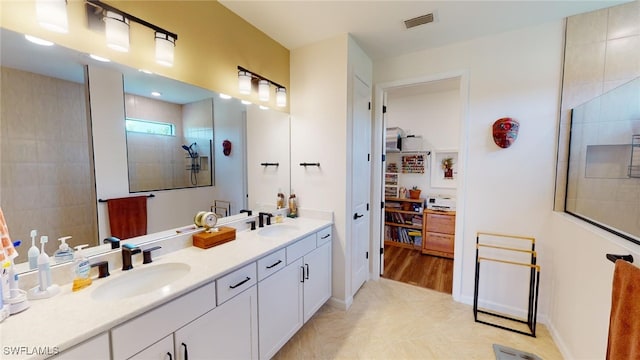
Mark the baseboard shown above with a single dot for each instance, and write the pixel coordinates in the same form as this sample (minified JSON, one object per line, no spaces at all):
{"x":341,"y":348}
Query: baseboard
{"x":340,"y":304}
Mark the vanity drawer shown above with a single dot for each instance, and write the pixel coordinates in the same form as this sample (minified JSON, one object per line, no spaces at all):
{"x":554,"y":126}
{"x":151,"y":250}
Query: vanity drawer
{"x":323,"y":236}
{"x":135,"y":335}
{"x":271,"y":263}
{"x":236,"y":282}
{"x":301,"y":248}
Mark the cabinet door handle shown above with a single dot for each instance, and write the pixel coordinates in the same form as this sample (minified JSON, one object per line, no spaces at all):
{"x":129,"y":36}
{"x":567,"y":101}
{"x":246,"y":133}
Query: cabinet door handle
{"x":357,"y":216}
{"x":302,"y":273}
{"x":274,"y":264}
{"x":169,"y":355}
{"x":240,"y":283}
{"x":326,"y":236}
{"x":307,"y":276}
{"x":186,"y":351}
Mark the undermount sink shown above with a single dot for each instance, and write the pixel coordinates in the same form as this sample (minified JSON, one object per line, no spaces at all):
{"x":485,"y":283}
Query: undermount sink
{"x":140,"y":280}
{"x":277,"y":230}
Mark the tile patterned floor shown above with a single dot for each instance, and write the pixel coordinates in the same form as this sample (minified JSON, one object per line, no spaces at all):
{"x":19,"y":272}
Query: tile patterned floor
{"x":393,"y":320}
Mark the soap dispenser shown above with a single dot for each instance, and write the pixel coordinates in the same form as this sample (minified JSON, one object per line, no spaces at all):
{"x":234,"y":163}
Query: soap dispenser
{"x":81,"y":267}
{"x":33,"y":251}
{"x":64,"y":252}
{"x":45,"y":288}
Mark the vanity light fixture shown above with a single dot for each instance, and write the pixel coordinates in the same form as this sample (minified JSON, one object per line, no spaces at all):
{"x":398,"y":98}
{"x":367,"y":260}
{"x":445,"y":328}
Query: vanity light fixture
{"x":281,"y":97}
{"x":263,"y":90}
{"x":37,"y":40}
{"x":244,"y":82}
{"x":247,"y":80}
{"x":52,"y":15}
{"x":165,"y":45}
{"x":116,"y":29}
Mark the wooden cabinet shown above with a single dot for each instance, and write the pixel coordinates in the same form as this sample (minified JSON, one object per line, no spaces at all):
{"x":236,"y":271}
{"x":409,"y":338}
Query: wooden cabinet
{"x":403,"y":222}
{"x":439,"y":233}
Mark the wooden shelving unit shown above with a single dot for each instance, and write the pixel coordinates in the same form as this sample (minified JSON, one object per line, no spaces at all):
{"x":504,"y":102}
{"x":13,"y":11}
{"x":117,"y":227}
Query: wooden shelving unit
{"x":404,"y":222}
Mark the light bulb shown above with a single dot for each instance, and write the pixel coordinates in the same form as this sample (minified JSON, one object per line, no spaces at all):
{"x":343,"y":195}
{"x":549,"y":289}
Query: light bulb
{"x":244,"y":82}
{"x":116,"y":28}
{"x":281,"y":97}
{"x":165,"y":45}
{"x":263,"y":90}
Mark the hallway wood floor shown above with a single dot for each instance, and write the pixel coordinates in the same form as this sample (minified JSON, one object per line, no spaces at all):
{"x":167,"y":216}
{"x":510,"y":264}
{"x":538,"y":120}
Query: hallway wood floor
{"x":411,"y":267}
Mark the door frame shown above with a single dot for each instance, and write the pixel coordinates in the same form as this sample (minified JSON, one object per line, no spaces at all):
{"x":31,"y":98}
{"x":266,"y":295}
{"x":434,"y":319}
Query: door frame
{"x":377,"y":227}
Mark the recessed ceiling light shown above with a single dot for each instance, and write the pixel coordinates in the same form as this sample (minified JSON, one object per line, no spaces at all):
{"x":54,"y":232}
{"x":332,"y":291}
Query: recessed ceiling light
{"x":225,"y":96}
{"x":99,"y":58}
{"x":38,"y":41}
{"x":145,"y":71}
{"x":245,"y":102}
{"x":155,"y":93}
{"x":262,"y":107}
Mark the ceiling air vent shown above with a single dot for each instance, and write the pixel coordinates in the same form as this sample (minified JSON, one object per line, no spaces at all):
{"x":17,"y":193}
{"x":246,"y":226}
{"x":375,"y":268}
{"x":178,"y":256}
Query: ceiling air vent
{"x":417,"y":21}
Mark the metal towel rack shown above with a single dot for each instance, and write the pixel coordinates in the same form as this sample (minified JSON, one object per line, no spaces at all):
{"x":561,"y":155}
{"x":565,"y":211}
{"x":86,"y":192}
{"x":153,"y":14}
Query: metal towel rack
{"x":103,"y":200}
{"x":613,"y":257}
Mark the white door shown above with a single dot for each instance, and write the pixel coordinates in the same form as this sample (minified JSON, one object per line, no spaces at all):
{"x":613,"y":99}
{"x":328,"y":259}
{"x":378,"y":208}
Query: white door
{"x":384,"y":169}
{"x":361,"y":183}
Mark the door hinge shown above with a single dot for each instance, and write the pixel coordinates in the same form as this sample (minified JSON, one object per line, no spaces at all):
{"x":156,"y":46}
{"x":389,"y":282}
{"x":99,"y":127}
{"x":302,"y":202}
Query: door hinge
{"x":381,"y":251}
{"x":384,"y":158}
{"x":367,"y":206}
{"x":368,"y":157}
{"x":367,"y":255}
{"x":384,"y":109}
{"x":381,"y":204}
{"x":369,"y":105}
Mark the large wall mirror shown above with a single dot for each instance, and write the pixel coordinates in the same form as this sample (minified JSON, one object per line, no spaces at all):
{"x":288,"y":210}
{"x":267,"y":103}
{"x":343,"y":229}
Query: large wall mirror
{"x":603,"y":185}
{"x":47,"y":172}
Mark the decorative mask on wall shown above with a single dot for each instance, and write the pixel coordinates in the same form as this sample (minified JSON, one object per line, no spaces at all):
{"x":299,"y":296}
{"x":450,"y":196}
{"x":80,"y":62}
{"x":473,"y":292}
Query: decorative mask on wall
{"x":226,"y":147}
{"x":505,"y":132}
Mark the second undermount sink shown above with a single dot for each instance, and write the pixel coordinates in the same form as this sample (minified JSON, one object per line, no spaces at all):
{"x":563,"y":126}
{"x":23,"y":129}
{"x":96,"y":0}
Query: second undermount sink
{"x":277,"y":230}
{"x":140,"y":280}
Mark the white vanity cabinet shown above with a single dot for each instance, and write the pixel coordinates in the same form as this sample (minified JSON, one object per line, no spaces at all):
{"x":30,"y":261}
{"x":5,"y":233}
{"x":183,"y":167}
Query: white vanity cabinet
{"x":193,"y":326}
{"x":136,"y":335}
{"x":287,"y":298}
{"x":95,"y":348}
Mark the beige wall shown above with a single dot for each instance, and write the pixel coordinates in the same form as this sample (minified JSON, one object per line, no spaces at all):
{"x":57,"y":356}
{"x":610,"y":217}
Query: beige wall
{"x":212,"y":41}
{"x":46,"y":180}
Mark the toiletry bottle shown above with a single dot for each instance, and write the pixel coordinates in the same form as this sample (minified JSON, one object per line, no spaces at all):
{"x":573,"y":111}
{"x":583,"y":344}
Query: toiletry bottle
{"x":293,"y":206}
{"x":44,"y":271}
{"x":280,"y":202}
{"x":33,"y":251}
{"x":64,"y":252}
{"x":81,"y":267}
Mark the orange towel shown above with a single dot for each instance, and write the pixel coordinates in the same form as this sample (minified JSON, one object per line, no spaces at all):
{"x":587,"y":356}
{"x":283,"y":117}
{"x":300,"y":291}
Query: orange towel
{"x":624,"y":323}
{"x":128,"y":217}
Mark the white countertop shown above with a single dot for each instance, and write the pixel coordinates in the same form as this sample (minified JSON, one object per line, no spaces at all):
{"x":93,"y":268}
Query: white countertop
{"x":70,"y":318}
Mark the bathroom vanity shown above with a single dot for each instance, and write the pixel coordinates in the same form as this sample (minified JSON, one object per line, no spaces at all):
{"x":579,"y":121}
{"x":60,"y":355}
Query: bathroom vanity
{"x":243,"y":299}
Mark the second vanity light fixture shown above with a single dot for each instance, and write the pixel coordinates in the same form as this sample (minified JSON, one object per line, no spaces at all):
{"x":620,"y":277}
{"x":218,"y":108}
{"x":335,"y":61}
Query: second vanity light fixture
{"x":117,"y":32}
{"x":245,"y":84}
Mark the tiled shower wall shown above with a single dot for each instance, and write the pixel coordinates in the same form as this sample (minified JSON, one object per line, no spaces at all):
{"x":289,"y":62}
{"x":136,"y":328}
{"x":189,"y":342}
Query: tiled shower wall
{"x":602,"y":52}
{"x":46,"y":177}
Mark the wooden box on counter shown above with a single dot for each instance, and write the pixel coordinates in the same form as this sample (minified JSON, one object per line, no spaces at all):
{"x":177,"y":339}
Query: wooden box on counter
{"x":206,"y":240}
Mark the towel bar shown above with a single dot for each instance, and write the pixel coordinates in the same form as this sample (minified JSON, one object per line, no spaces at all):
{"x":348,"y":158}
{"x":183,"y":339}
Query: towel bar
{"x":103,"y":200}
{"x":613,"y":257}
